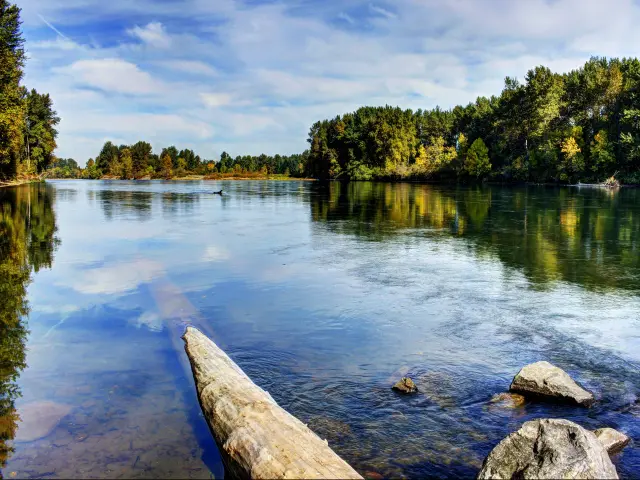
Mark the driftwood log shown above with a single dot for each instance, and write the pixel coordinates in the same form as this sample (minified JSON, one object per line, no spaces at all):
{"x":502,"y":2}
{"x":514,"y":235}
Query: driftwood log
{"x":256,"y":437}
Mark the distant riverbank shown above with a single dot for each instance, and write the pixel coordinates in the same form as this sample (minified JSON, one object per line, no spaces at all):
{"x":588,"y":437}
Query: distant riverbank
{"x":215,"y":176}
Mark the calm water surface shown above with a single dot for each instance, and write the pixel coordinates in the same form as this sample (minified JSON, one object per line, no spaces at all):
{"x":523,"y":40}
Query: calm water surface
{"x":325,"y":295}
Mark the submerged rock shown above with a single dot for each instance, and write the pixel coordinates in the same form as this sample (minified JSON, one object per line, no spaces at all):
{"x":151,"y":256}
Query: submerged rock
{"x":546,"y":380}
{"x":38,"y":419}
{"x":334,"y":431}
{"x":611,"y":439}
{"x":549,"y":448}
{"x":405,"y":385}
{"x":508,"y":400}
{"x":439,"y":387}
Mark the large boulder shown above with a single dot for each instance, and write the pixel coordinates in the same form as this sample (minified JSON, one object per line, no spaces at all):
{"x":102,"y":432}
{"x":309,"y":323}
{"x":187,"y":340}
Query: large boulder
{"x":546,"y":380}
{"x":611,"y":439}
{"x":549,"y":448}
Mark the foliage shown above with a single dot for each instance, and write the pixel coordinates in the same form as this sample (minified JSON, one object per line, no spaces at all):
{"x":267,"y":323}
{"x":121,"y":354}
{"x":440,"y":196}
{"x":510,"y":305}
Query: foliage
{"x":579,"y":126}
{"x":41,"y":133}
{"x":27,"y":119}
{"x":12,"y":103}
{"x":476,"y":163}
{"x":139,"y":161}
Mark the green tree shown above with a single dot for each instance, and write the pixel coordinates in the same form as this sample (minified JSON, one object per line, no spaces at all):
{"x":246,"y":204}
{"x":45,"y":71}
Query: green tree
{"x":476,"y":163}
{"x":140,"y":157}
{"x":107,"y":155}
{"x":41,"y":133}
{"x":12,"y":103}
{"x":172,"y":152}
{"x":167,"y":167}
{"x":126,"y":164}
{"x":91,"y":171}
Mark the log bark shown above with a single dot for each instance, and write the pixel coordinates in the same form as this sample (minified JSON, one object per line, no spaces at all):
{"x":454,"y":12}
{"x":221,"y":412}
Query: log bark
{"x":256,"y":437}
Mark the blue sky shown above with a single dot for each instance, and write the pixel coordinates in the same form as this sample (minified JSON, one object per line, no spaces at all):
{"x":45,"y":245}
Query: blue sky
{"x":252,"y":76}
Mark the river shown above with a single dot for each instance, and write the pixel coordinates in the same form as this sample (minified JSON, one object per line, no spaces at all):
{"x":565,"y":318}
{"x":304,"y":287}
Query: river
{"x":325,"y":294}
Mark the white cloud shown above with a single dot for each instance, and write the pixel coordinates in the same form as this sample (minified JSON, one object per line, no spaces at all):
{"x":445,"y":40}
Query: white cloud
{"x":151,"y":320}
{"x":115,"y":279}
{"x":59,"y":43}
{"x":191,"y":67}
{"x":213,"y":100}
{"x":214,"y":253}
{"x":153,"y":34}
{"x":113,"y":75}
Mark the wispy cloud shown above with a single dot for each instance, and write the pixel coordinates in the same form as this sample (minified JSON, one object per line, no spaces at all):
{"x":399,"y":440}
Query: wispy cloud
{"x":214,"y":100}
{"x":153,"y":34}
{"x":382,"y":11}
{"x":346,"y":17}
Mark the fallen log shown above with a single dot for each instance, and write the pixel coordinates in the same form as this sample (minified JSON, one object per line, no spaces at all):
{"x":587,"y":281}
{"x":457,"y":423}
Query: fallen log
{"x":256,"y":437}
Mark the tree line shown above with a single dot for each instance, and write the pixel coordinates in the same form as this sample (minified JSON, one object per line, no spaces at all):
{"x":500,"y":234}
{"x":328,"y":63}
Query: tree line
{"x":580,"y":126}
{"x":27,"y":119}
{"x":139,"y":161}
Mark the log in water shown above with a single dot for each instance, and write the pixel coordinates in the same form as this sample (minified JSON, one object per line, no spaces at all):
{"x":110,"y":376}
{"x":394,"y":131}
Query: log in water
{"x":256,"y":437}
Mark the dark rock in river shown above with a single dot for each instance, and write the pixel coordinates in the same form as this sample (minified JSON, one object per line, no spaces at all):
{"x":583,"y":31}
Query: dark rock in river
{"x":549,"y":448}
{"x":611,"y":439}
{"x":405,"y":385}
{"x":546,"y":380}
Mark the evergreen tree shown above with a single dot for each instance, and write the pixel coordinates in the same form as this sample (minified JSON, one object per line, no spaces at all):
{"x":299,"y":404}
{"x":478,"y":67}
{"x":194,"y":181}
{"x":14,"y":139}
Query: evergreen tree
{"x":12,"y":103}
{"x":476,"y":163}
{"x":41,"y":133}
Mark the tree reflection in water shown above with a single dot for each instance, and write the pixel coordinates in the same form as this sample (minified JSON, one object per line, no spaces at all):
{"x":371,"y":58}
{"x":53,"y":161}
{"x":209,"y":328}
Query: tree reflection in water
{"x":27,"y":243}
{"x":586,"y":236}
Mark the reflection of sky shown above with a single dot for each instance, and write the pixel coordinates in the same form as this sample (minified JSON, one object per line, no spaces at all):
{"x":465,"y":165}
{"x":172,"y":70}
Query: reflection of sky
{"x":260,"y":247}
{"x":272,"y":287}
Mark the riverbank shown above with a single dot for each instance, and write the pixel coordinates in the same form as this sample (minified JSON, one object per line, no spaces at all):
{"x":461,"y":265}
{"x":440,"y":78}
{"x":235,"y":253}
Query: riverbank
{"x":20,"y":181}
{"x":223,"y":176}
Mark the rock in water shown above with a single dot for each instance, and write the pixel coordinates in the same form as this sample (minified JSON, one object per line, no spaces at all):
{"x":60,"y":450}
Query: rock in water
{"x":549,"y":448}
{"x":611,"y":439}
{"x":405,"y":385}
{"x":544,"y":379}
{"x":38,"y":419}
{"x":508,"y":400}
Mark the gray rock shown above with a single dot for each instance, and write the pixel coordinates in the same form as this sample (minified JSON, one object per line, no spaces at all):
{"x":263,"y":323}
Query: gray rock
{"x":546,"y":380}
{"x":611,"y":439}
{"x":405,"y":385}
{"x":549,"y":448}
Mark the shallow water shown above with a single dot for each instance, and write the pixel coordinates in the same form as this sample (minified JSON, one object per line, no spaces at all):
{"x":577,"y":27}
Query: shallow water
{"x":325,"y":295}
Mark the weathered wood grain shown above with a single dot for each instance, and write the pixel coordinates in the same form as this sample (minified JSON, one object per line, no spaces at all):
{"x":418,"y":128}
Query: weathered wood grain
{"x":257,"y":438}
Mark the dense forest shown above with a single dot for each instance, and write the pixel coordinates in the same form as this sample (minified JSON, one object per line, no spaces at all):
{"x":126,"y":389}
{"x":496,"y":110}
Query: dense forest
{"x":580,"y":126}
{"x":27,"y":119}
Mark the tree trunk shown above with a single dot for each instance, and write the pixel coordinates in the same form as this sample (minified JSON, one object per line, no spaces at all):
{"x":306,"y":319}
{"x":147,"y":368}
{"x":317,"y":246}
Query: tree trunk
{"x":256,"y":437}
